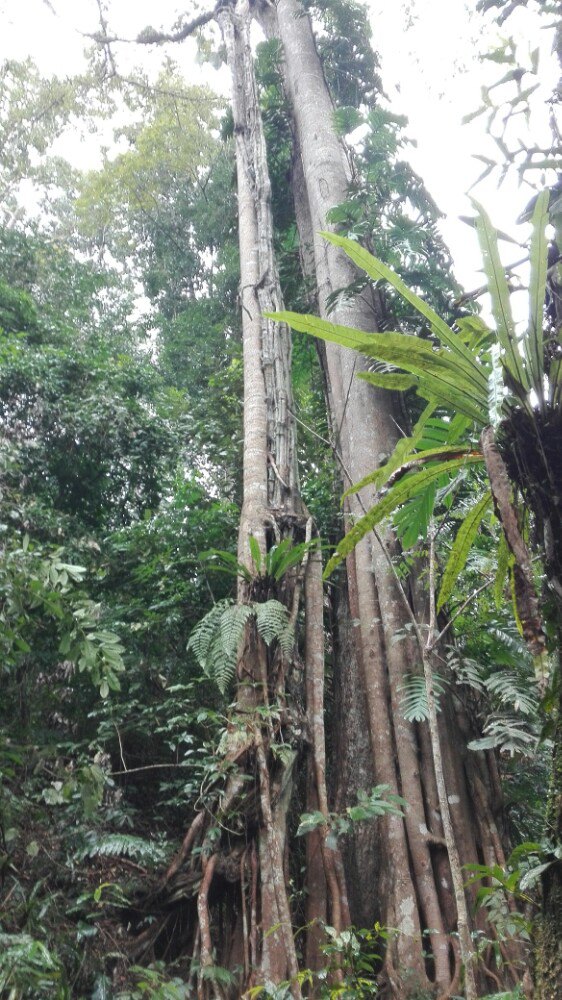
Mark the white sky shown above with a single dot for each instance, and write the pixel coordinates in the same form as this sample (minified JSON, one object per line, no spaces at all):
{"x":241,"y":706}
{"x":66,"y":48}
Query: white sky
{"x":430,"y":71}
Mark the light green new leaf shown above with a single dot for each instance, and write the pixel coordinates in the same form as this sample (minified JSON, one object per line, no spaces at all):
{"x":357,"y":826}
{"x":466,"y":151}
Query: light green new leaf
{"x":461,"y":547}
{"x":397,"y":495}
{"x":377,"y":270}
{"x":534,"y":341}
{"x":501,"y":304}
{"x":255,"y":552}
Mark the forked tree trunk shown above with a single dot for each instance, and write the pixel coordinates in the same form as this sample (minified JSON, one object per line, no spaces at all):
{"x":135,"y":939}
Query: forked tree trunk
{"x":414,"y":891}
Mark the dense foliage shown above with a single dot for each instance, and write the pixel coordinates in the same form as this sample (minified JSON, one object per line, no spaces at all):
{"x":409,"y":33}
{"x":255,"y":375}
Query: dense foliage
{"x":120,"y":466}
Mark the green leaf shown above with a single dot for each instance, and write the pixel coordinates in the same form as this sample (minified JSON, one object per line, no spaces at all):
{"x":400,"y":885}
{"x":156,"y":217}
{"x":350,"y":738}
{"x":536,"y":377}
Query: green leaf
{"x":309,"y":822}
{"x":503,"y":557}
{"x":440,"y":374}
{"x":531,"y":877}
{"x":461,"y":547}
{"x":411,"y":521}
{"x":271,"y":619}
{"x":534,"y":341}
{"x":413,"y":460}
{"x":377,"y":270}
{"x":255,"y":552}
{"x":389,"y":380}
{"x":397,"y":495}
{"x":403,"y":447}
{"x":413,"y":701}
{"x":501,"y":304}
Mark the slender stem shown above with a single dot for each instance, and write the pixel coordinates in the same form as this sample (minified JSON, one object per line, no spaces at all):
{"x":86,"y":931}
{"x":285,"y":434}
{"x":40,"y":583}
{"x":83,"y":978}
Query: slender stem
{"x":463,"y":921}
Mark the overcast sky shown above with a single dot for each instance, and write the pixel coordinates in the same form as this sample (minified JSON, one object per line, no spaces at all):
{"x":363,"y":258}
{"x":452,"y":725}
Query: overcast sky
{"x":431,"y":71}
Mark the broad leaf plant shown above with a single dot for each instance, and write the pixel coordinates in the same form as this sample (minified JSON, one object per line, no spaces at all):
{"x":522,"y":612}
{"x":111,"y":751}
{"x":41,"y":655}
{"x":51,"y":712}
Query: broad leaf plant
{"x":480,"y":386}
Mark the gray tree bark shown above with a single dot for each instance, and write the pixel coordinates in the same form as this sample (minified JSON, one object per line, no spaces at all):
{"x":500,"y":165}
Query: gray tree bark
{"x":414,"y":890}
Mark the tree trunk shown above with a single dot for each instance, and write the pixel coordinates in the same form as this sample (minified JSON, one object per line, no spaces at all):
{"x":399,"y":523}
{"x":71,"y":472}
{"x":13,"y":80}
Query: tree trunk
{"x":414,"y":892}
{"x":270,"y":728}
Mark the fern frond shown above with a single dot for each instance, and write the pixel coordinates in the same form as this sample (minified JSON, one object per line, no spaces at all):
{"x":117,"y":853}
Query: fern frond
{"x":204,"y":633}
{"x":232,"y":624}
{"x":509,"y":734}
{"x":286,"y":639}
{"x":468,"y":671}
{"x":510,"y":690}
{"x":509,"y":648}
{"x":114,"y":845}
{"x":272,"y":619}
{"x":413,"y":702}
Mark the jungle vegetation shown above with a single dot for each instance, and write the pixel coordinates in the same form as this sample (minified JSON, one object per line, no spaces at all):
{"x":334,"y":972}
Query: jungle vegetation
{"x":280,"y":616}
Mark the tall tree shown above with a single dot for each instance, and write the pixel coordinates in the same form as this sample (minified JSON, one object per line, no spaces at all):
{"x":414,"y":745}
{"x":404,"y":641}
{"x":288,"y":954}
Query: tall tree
{"x":237,"y":849}
{"x":414,"y":886}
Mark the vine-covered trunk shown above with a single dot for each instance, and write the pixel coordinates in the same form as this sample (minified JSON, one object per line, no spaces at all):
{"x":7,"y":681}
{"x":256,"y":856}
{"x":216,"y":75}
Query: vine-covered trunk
{"x":234,"y":867}
{"x":414,"y":891}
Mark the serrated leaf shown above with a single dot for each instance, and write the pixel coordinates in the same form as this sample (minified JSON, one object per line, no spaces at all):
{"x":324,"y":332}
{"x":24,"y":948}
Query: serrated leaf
{"x":461,"y":547}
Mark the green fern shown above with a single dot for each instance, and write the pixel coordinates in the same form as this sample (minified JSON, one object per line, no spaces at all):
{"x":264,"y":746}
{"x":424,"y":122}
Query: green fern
{"x":232,"y":624}
{"x":215,"y":640}
{"x":115,"y":845}
{"x":511,"y":690}
{"x":467,"y":671}
{"x":413,"y":703}
{"x":272,"y":619}
{"x":508,"y":733}
{"x":205,"y":632}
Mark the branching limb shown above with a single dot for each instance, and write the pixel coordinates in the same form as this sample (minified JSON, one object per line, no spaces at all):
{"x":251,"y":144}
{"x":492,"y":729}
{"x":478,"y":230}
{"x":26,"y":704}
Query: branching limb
{"x":149,"y":36}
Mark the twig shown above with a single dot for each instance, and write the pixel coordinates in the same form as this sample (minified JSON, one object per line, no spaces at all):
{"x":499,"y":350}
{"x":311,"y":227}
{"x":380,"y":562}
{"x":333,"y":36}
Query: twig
{"x":121,"y":753}
{"x":147,"y":767}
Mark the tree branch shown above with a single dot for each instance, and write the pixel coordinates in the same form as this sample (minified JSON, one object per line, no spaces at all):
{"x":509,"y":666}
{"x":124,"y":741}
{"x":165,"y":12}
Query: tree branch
{"x":149,"y":36}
